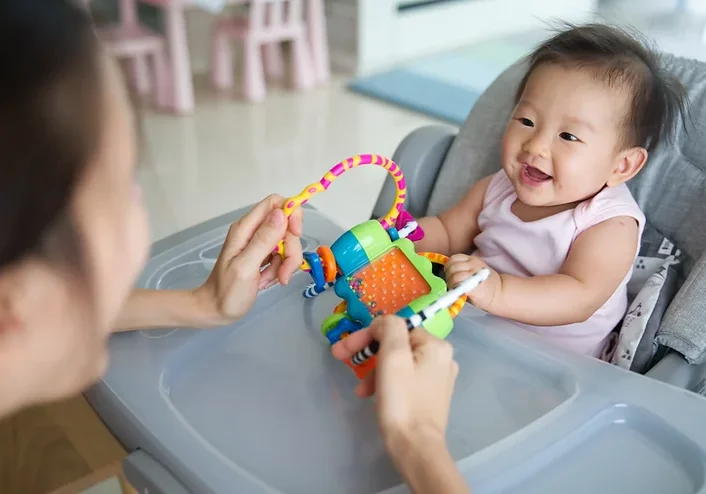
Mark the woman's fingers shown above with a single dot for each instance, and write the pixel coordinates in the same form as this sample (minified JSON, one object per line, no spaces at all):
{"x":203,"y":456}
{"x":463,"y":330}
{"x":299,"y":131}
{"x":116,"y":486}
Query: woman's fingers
{"x":292,"y":258}
{"x":243,"y":230}
{"x":296,"y":226}
{"x":366,"y":387}
{"x":262,"y":242}
{"x":269,"y":274}
{"x":352,"y":344}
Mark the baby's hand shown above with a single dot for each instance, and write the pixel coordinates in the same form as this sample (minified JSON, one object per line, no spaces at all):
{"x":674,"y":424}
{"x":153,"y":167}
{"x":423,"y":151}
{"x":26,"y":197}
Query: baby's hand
{"x":460,"y":267}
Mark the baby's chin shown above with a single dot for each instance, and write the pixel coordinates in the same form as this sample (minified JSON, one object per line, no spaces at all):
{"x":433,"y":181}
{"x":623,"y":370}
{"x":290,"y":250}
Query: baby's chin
{"x":535,"y":197}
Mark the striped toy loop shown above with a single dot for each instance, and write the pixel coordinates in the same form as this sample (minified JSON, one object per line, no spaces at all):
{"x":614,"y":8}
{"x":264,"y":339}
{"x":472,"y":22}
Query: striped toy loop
{"x":442,"y":259}
{"x":339,"y":169}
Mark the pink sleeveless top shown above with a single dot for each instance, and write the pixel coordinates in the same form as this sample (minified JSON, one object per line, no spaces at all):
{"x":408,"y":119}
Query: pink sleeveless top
{"x":512,"y":246}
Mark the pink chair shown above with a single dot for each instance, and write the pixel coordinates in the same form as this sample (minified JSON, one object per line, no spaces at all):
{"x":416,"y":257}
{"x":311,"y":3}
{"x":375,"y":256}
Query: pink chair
{"x":267,"y":25}
{"x":129,"y":40}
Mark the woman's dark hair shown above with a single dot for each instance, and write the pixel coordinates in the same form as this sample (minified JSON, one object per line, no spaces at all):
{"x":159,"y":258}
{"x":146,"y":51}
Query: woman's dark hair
{"x":618,"y":58}
{"x":50,"y":125}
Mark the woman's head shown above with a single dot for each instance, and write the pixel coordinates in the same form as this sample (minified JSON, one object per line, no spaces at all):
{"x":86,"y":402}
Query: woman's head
{"x":72,"y":228}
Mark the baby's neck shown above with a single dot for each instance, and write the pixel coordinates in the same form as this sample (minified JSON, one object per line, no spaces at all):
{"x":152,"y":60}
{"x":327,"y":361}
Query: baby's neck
{"x":534,"y":213}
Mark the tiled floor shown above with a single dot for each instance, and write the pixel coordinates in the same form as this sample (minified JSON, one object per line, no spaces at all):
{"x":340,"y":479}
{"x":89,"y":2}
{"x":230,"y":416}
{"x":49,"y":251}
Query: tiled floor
{"x":230,"y":154}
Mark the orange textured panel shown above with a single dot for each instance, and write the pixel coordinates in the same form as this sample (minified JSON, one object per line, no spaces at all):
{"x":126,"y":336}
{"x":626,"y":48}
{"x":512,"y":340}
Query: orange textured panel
{"x":388,"y":284}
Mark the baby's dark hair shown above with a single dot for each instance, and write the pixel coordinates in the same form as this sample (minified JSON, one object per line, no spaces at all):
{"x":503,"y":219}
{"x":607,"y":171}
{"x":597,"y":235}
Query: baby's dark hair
{"x":618,"y":58}
{"x":51,"y":105}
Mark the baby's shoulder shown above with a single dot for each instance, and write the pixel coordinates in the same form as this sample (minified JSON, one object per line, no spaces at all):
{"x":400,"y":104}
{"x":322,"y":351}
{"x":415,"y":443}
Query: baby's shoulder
{"x":610,"y":202}
{"x":499,"y":187}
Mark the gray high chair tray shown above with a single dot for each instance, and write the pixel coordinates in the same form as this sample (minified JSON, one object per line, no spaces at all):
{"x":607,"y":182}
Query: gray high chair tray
{"x":262,"y":406}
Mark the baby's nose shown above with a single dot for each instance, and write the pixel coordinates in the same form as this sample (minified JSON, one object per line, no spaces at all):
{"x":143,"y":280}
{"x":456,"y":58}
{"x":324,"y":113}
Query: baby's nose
{"x":537,"y":146}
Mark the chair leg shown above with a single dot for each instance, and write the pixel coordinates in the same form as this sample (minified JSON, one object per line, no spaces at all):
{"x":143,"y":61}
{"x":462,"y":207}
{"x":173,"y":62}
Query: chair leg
{"x":253,"y":72}
{"x":139,"y":68}
{"x":274,"y":61}
{"x":162,"y":89}
{"x":303,"y":76}
{"x":221,"y":60}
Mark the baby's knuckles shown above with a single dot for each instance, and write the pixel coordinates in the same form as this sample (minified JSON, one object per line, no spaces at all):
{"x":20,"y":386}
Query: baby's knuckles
{"x":487,"y":292}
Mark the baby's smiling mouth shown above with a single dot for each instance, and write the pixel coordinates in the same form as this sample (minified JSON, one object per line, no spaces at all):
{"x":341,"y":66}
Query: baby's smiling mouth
{"x":534,"y":175}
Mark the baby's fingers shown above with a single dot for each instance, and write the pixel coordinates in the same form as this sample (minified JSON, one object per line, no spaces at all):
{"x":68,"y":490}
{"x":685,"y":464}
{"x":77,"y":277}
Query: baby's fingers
{"x":457,"y":277}
{"x":456,"y":264}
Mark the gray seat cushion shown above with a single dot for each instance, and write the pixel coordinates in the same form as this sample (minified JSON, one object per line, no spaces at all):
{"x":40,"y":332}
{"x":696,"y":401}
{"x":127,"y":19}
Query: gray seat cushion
{"x":475,"y":152}
{"x":671,"y":190}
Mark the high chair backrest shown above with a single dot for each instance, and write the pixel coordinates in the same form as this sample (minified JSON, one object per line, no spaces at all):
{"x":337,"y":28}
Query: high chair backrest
{"x":671,"y":190}
{"x":275,"y":14}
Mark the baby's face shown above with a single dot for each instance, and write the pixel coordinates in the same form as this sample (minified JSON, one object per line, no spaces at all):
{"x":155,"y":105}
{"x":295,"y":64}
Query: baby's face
{"x":563,"y":139}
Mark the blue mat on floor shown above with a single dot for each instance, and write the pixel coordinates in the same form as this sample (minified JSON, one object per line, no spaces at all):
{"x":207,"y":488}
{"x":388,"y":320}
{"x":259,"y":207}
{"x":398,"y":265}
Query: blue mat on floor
{"x":446,"y":86}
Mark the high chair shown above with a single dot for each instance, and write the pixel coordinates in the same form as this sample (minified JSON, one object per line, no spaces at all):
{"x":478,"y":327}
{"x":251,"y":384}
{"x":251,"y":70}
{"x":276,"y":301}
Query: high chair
{"x":131,"y":41}
{"x":267,"y":24}
{"x":262,"y":406}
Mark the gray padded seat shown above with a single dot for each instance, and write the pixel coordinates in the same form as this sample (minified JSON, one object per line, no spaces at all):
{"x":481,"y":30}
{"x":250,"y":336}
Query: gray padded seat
{"x":671,"y":190}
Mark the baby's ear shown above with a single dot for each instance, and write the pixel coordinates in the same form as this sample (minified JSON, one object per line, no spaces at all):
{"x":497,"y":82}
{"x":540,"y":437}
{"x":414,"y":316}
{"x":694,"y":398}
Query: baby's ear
{"x":628,"y":164}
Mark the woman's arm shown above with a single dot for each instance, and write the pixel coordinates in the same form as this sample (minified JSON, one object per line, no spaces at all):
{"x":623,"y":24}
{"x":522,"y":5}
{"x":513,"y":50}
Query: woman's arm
{"x":149,"y":309}
{"x":427,"y":466}
{"x":413,"y":381}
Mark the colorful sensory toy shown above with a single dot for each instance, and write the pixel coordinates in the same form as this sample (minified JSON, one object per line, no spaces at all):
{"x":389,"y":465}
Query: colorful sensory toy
{"x":373,"y":266}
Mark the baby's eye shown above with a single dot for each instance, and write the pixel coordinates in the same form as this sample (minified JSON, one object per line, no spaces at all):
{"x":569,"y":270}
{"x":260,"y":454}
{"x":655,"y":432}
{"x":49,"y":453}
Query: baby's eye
{"x":526,"y":122}
{"x":569,"y":137}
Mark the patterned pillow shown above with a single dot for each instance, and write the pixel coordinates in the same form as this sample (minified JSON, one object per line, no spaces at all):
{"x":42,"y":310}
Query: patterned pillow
{"x":656,"y":278}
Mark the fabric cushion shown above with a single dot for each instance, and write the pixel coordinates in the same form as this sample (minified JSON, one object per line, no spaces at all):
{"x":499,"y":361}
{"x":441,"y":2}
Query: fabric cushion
{"x":672,"y":193}
{"x":654,"y":283}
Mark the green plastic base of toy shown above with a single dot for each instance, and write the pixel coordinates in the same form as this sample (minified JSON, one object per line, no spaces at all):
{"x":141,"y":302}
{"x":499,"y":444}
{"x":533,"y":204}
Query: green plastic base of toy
{"x":440,"y":325}
{"x":330,"y":322}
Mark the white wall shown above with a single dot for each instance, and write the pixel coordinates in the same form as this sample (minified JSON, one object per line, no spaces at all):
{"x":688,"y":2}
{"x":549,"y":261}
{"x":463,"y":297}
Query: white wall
{"x":654,"y":6}
{"x":387,"y":37}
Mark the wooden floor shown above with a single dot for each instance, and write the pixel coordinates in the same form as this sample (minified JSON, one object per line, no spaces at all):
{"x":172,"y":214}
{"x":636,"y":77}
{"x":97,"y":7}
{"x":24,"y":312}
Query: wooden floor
{"x":52,"y":447}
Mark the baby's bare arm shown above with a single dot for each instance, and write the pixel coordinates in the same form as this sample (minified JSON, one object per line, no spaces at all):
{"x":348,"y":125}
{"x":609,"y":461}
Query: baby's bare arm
{"x":453,"y":231}
{"x":597,"y":263}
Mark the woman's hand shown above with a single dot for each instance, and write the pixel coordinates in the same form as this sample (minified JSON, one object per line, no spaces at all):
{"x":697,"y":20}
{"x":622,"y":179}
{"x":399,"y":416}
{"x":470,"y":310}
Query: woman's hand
{"x":230,"y":290}
{"x":413,"y":380}
{"x":460,"y":267}
{"x":232,"y":286}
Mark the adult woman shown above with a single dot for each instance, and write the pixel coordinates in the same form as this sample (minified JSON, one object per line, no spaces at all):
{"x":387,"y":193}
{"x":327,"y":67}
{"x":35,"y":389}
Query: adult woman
{"x":73,"y":233}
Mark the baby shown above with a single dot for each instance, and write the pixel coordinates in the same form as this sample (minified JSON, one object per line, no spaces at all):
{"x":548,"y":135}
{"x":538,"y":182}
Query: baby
{"x":557,"y":226}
